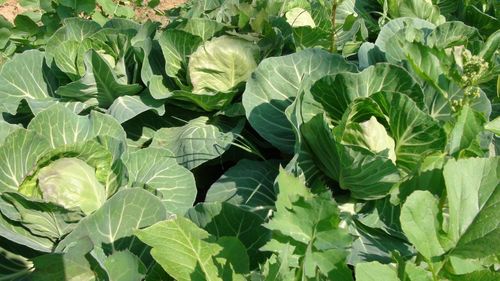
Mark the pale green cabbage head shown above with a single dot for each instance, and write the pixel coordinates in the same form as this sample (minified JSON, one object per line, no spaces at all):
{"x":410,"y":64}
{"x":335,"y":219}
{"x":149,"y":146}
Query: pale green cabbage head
{"x":376,"y":139}
{"x":71,"y":182}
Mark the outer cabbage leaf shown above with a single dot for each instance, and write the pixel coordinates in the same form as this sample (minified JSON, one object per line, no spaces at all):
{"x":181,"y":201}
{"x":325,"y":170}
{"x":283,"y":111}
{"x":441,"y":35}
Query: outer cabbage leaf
{"x":69,"y":43}
{"x":276,"y":83}
{"x":156,"y":169}
{"x":100,"y":82}
{"x":225,"y":219}
{"x":177,"y":46}
{"x":111,"y":226}
{"x":336,"y":92}
{"x":200,"y":140}
{"x":392,"y":27}
{"x":249,"y":184}
{"x":38,"y":85}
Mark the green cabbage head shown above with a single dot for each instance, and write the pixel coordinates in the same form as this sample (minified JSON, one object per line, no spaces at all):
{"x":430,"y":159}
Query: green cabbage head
{"x":71,"y":182}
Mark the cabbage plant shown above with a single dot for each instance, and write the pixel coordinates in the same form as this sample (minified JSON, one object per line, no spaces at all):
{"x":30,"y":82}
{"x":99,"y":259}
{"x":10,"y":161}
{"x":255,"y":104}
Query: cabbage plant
{"x":63,"y":182}
{"x":53,"y":177}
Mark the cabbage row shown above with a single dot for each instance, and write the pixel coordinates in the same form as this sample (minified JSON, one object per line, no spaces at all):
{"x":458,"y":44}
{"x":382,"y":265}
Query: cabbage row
{"x":251,"y":140}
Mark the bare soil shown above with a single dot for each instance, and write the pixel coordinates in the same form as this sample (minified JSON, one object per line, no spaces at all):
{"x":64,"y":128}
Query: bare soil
{"x":145,"y":13}
{"x":11,"y":8}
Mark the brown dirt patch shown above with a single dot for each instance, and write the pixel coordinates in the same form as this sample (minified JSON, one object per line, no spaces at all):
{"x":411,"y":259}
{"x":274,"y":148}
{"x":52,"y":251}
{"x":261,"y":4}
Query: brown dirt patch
{"x":10,"y":9}
{"x":145,"y":13}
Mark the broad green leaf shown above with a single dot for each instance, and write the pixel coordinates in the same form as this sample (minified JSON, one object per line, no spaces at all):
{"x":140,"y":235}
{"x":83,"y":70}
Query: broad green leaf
{"x":74,"y":128}
{"x":36,"y":84}
{"x":4,"y":37}
{"x":13,"y":265}
{"x":25,"y":24}
{"x":486,"y":24}
{"x":369,"y":54}
{"x":206,"y":100}
{"x":153,"y":70}
{"x":424,"y":63}
{"x":473,"y":193}
{"x":490,"y":46}
{"x":307,"y":37}
{"x":116,"y":9}
{"x":125,"y":108}
{"x":43,"y":219}
{"x":416,"y":273}
{"x":336,"y":92}
{"x":299,"y":17}
{"x":480,"y":275}
{"x":66,"y":45}
{"x":381,"y":215}
{"x":20,"y":152}
{"x":421,"y":9}
{"x":374,"y":244}
{"x":38,"y":106}
{"x":449,"y":34}
{"x":156,"y":273}
{"x":276,"y":83}
{"x":99,"y":82}
{"x":201,"y":27}
{"x":225,"y":219}
{"x":235,"y":259}
{"x":493,"y":126}
{"x":290,"y":189}
{"x":111,"y":226}
{"x":123,"y":24}
{"x":421,"y":224}
{"x":70,"y":265}
{"x":156,"y":169}
{"x":463,"y":266}
{"x":384,"y":38}
{"x":177,"y":46}
{"x":222,"y":64}
{"x":319,"y":137}
{"x":86,"y":6}
{"x":374,"y":271}
{"x":440,"y":107}
{"x":429,"y":177}
{"x":368,"y":176}
{"x":469,"y":123}
{"x":124,"y":265}
{"x":200,"y":140}
{"x":14,"y":232}
{"x":185,"y":251}
{"x":249,"y":184}
{"x":416,"y":134}
{"x":6,"y":129}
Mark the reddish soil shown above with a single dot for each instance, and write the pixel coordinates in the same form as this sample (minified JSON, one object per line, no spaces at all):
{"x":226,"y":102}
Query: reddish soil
{"x":144,"y":13}
{"x":11,"y":8}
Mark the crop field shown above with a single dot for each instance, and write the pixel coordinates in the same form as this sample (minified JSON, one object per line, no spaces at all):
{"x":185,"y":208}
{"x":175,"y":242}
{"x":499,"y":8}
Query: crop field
{"x":259,"y":140}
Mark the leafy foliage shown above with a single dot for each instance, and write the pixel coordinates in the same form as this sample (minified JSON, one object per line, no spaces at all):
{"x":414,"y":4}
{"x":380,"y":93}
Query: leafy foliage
{"x":250,"y":140}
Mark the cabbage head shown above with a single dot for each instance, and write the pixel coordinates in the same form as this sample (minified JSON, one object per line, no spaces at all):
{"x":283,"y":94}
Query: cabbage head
{"x":72,"y":183}
{"x":54,"y":173}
